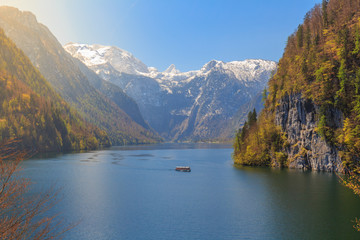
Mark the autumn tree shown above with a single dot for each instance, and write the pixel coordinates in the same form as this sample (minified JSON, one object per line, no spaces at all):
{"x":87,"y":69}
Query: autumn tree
{"x":322,"y":63}
{"x":22,"y":215}
{"x":324,"y":12}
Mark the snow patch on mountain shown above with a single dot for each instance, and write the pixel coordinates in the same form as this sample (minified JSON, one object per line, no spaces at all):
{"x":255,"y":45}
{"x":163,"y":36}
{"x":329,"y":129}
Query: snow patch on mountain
{"x":180,"y":105}
{"x":124,"y":62}
{"x":172,"y":70}
{"x":121,"y":60}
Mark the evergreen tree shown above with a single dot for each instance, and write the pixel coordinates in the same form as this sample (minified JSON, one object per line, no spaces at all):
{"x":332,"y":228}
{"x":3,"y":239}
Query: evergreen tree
{"x":324,"y":12}
{"x":264,"y":95}
{"x":300,"y":36}
{"x":252,"y":117}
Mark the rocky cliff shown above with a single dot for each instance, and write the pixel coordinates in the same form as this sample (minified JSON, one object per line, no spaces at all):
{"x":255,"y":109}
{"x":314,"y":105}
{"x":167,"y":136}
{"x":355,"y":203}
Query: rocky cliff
{"x":311,"y":118}
{"x":306,"y":149}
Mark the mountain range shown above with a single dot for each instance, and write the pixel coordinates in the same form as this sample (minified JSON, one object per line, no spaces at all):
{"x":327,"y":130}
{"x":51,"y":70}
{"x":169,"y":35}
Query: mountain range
{"x":133,"y":103}
{"x":199,"y":105}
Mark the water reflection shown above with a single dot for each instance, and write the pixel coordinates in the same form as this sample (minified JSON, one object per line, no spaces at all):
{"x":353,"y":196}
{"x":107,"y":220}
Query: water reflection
{"x":167,"y":146}
{"x":304,"y":204}
{"x":134,"y":193}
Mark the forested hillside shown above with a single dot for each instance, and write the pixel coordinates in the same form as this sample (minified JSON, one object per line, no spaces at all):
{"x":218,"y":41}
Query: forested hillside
{"x":34,"y":113}
{"x":319,"y":78}
{"x":65,"y":77}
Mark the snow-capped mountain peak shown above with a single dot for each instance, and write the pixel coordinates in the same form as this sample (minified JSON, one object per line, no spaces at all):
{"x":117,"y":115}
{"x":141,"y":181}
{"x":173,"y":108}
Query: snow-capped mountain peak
{"x":172,"y":69}
{"x":119,"y":59}
{"x":180,"y":105}
{"x":113,"y":58}
{"x":210,"y":65}
{"x":85,"y":54}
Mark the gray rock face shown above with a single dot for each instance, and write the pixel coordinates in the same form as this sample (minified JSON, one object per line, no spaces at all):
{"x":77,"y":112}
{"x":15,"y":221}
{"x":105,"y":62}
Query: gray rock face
{"x":307,"y":149}
{"x":199,"y":105}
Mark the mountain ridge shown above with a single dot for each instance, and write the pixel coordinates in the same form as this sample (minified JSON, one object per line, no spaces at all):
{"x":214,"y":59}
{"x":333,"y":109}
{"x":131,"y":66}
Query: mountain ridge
{"x":63,"y":73}
{"x":177,"y":97}
{"x":33,"y":113}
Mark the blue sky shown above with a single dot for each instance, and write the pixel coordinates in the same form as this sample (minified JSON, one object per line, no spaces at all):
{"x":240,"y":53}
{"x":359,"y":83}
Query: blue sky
{"x":187,"y":33}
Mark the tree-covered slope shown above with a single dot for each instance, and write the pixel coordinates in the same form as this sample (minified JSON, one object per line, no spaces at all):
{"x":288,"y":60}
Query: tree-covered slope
{"x":318,"y":82}
{"x":62,"y":72}
{"x":30,"y":110}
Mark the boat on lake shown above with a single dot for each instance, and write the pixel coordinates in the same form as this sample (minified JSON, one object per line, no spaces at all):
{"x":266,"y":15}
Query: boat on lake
{"x":183,"y":169}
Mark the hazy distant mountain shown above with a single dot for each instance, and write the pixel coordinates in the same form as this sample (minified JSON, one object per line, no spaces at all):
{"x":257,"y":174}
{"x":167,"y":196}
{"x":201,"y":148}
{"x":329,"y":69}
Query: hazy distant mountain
{"x":229,"y":127}
{"x":181,"y":106}
{"x":64,"y":74}
{"x":114,"y":93}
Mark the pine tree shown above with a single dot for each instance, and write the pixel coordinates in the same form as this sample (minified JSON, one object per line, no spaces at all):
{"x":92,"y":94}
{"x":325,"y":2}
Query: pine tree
{"x":324,"y":12}
{"x":300,"y":36}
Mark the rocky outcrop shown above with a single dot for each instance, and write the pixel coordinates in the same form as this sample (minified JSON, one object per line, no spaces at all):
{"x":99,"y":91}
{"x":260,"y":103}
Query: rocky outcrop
{"x":307,"y":149}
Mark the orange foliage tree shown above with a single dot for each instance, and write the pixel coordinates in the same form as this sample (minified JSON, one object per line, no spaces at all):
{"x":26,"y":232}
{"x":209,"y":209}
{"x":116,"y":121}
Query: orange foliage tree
{"x":23,"y":216}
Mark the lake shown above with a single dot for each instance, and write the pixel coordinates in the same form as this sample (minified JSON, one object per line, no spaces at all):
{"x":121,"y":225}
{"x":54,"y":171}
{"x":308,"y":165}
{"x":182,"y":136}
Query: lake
{"x":135,"y":193}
